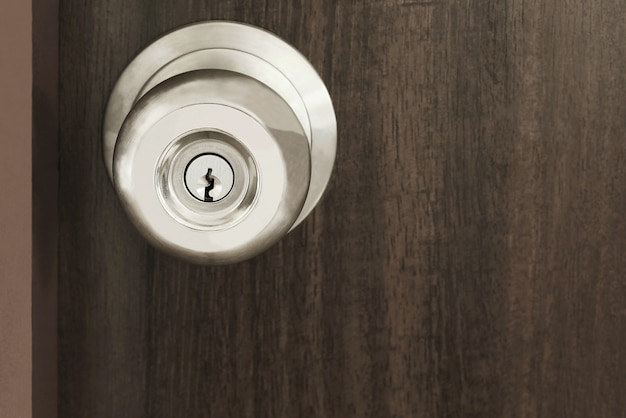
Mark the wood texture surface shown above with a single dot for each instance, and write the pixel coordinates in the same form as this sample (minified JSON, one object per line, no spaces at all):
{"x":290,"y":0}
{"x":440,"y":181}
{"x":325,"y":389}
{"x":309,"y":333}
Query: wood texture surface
{"x":468,"y":259}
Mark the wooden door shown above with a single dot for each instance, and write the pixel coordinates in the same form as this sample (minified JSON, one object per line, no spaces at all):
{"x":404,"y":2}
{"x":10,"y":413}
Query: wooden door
{"x":468,"y":259}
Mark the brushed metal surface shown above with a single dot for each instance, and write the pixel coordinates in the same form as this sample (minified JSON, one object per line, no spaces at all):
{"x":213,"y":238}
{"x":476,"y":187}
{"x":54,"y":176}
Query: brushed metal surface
{"x":258,"y":134}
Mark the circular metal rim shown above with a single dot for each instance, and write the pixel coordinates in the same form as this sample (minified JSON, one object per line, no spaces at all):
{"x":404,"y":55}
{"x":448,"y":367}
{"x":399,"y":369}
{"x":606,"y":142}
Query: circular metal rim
{"x":173,"y":192}
{"x":245,"y":38}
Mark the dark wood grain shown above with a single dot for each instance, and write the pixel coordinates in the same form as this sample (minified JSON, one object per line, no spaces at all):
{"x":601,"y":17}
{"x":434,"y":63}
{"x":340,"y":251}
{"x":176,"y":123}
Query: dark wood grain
{"x":467,"y":261}
{"x":45,"y":194}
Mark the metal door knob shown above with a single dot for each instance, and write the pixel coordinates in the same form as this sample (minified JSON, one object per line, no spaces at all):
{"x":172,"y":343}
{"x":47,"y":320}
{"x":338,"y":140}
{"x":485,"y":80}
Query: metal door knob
{"x":219,"y":139}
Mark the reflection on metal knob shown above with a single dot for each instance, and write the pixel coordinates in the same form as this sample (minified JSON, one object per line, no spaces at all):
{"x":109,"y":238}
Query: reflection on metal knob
{"x":219,"y":139}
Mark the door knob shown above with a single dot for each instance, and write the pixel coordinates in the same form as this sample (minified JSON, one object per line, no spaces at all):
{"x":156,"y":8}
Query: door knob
{"x":219,"y":139}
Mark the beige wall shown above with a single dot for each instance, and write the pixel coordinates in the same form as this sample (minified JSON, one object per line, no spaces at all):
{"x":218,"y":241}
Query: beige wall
{"x":15,"y":208}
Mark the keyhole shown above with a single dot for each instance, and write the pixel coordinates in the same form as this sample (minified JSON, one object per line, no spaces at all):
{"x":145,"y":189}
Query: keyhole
{"x":207,"y":189}
{"x":209,"y":185}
